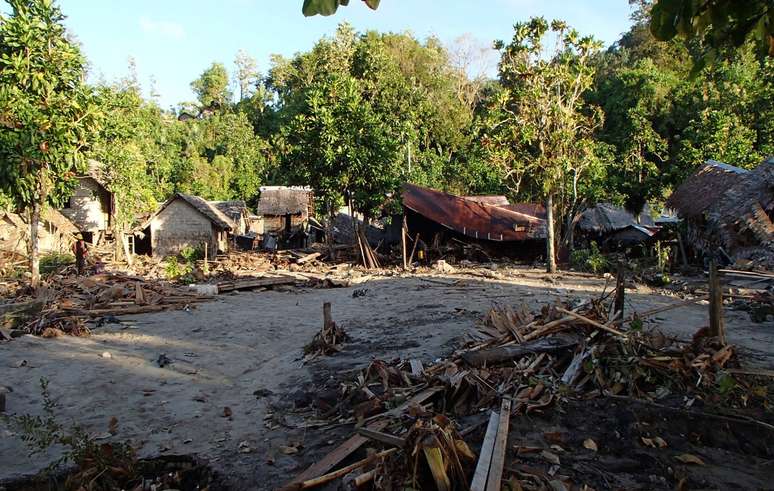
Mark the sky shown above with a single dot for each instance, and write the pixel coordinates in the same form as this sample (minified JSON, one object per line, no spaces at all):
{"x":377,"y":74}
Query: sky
{"x":173,"y":41}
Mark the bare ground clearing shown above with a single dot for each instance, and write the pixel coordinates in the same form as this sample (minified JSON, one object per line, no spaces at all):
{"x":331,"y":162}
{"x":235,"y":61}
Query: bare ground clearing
{"x":243,"y":351}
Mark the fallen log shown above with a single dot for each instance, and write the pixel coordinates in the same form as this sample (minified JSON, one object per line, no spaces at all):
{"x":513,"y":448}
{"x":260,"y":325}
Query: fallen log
{"x":502,"y":354}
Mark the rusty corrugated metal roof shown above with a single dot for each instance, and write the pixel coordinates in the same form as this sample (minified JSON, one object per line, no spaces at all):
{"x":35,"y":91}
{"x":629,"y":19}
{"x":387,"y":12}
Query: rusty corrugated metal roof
{"x":472,"y":218}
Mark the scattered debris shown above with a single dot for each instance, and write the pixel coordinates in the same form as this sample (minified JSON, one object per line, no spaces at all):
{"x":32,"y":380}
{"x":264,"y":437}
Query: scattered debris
{"x":525,"y":363}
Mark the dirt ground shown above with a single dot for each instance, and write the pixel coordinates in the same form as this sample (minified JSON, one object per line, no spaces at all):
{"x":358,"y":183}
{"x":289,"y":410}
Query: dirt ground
{"x":243,"y":351}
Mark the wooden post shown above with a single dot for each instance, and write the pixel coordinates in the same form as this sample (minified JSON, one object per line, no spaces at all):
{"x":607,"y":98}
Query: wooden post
{"x":327,"y":318}
{"x":206,"y":265}
{"x":413,"y":249}
{"x":403,"y":243}
{"x":717,"y":324}
{"x":681,"y":245}
{"x":620,"y":291}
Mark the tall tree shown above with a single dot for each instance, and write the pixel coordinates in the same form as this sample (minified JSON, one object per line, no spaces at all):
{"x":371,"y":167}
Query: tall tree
{"x":45,"y":111}
{"x":247,"y":74}
{"x":212,"y":87}
{"x":543,"y":113}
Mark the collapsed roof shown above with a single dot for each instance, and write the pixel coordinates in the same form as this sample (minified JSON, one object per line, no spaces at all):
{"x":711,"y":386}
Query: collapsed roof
{"x":605,"y":218}
{"x":702,"y":189}
{"x":471,"y":217}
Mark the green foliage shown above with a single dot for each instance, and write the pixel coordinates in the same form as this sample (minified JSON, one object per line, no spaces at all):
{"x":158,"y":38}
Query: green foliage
{"x":719,"y":24}
{"x":212,"y":87}
{"x":590,"y":260}
{"x":329,"y":7}
{"x":51,"y":262}
{"x":181,"y":267}
{"x":360,"y":114}
{"x":97,"y":464}
{"x":45,"y":109}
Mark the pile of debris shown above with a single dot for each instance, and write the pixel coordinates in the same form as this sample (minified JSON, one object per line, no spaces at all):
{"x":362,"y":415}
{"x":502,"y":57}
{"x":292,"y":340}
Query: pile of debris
{"x":328,"y":340}
{"x":65,"y":302}
{"x":524,"y":363}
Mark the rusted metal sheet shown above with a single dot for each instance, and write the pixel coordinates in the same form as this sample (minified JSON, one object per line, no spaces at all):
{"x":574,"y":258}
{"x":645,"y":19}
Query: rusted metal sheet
{"x":495,"y":199}
{"x":471,"y":218}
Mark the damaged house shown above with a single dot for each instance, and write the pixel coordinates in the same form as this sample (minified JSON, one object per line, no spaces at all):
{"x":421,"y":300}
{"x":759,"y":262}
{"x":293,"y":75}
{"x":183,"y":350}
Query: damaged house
{"x":55,"y":232}
{"x":729,"y":210}
{"x":285,"y":211}
{"x":487,"y":220}
{"x":184,"y":221}
{"x":612,"y":226}
{"x":91,"y":207}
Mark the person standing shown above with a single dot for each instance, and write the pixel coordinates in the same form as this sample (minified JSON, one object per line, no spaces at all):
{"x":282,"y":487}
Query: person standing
{"x":79,"y":248}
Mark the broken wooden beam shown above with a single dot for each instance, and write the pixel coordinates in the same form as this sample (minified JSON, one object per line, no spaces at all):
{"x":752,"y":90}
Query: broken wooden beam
{"x":333,"y":458}
{"x":485,"y":457}
{"x":591,"y":322}
{"x":226,"y":286}
{"x":385,"y":438}
{"x":320,"y":480}
{"x":500,"y":446}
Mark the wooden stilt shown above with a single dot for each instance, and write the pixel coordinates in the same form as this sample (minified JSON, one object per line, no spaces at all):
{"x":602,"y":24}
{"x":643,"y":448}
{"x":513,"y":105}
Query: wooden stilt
{"x":717,"y":323}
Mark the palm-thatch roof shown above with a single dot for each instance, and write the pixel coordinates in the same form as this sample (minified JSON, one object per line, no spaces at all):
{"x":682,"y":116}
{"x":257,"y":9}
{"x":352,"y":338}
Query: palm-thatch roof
{"x":605,"y":218}
{"x":702,"y":189}
{"x":284,"y":200}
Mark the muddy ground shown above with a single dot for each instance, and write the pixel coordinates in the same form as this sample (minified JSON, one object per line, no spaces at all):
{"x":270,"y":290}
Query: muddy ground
{"x":243,"y":351}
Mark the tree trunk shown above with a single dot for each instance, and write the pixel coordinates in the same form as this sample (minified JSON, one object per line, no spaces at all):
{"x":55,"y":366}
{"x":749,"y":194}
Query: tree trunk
{"x":34,"y":252}
{"x":550,"y":240}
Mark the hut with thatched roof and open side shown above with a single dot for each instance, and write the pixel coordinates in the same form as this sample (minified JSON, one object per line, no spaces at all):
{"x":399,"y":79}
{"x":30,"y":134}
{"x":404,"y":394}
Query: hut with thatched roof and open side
{"x":728,"y":211}
{"x":285,"y":211}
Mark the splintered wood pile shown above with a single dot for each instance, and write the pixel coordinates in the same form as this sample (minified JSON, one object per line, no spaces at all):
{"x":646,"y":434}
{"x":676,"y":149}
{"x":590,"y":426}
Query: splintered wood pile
{"x":525,"y":363}
{"x":328,"y":340}
{"x":64,"y":303}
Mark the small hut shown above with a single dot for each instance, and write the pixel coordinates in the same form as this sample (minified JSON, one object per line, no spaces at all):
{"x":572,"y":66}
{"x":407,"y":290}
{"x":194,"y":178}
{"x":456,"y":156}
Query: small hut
{"x":91,"y":207}
{"x":184,"y":221}
{"x":285,"y":211}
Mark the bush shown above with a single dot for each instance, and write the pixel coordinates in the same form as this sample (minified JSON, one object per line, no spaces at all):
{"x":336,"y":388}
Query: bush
{"x":191,"y":254}
{"x":51,"y":262}
{"x":589,"y":260}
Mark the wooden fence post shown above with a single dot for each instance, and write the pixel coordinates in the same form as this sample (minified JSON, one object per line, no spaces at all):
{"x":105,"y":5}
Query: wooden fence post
{"x":620,"y":291}
{"x":403,"y":243}
{"x":717,"y":324}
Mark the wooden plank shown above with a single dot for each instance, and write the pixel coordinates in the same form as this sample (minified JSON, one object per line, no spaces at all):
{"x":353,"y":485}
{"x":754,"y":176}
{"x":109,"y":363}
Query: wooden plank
{"x":309,"y":257}
{"x":485,"y":458}
{"x":417,"y":369}
{"x":335,"y":456}
{"x":254,"y":283}
{"x":318,"y":481}
{"x":417,"y":399}
{"x":379,"y":436}
{"x":500,"y":447}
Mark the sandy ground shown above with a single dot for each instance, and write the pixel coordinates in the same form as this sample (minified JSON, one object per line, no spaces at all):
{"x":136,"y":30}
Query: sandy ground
{"x":243,"y":351}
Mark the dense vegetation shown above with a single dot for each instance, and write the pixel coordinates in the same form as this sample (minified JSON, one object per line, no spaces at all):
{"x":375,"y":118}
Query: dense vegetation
{"x":360,"y":113}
